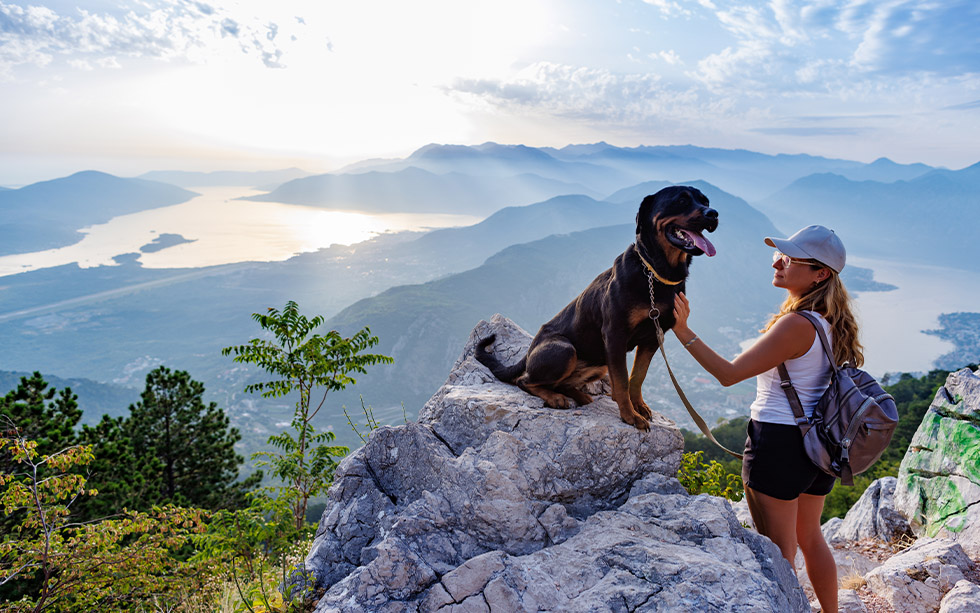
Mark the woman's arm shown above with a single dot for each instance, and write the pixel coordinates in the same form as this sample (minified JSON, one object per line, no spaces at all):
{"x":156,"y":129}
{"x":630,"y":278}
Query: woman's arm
{"x":790,"y":337}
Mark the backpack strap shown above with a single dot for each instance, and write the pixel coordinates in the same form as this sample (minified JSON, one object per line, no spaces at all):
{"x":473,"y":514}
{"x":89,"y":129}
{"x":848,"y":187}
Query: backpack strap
{"x":794,"y":399}
{"x":824,"y":341}
{"x":784,"y":381}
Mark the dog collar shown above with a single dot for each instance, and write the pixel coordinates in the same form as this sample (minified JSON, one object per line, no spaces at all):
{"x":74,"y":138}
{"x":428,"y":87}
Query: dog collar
{"x":654,"y":272}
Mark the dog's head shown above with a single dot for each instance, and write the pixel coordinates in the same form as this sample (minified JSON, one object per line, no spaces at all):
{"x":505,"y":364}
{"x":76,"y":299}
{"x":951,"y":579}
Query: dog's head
{"x":673,"y":222}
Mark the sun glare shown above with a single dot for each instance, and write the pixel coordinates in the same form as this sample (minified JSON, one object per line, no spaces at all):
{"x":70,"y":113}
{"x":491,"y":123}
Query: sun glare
{"x":352,"y":81}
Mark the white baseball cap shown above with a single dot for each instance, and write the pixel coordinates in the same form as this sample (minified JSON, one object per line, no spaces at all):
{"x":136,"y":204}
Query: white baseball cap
{"x":813,"y":243}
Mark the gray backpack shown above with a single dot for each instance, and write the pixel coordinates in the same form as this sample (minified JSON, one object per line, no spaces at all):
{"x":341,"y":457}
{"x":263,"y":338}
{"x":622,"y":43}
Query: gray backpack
{"x":852,"y":422}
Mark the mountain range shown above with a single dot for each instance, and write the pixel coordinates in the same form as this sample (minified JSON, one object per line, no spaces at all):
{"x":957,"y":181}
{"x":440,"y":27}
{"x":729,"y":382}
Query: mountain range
{"x":554,"y":219}
{"x":922,"y":219}
{"x":605,"y":168}
{"x":266,"y":178}
{"x":419,"y":191}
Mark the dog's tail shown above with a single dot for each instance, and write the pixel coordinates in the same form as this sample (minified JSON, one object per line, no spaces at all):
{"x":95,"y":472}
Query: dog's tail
{"x":507,"y":374}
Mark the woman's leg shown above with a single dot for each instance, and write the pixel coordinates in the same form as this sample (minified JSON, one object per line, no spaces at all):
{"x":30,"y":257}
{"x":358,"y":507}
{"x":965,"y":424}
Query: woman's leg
{"x":776,"y":519}
{"x":820,"y":564}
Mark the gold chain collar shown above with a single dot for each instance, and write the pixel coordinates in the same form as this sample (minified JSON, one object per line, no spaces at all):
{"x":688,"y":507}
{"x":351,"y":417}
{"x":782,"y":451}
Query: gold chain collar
{"x":653,"y":272}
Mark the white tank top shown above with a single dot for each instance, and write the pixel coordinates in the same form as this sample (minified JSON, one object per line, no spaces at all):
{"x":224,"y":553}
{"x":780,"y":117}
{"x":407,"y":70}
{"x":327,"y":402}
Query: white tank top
{"x":810,"y":374}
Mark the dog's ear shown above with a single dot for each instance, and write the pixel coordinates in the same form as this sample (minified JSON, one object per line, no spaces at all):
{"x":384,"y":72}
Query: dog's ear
{"x":643,"y":215}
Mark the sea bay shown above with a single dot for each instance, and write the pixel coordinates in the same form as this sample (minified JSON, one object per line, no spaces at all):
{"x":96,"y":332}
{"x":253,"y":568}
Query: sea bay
{"x":223,"y":230}
{"x":892,"y":323}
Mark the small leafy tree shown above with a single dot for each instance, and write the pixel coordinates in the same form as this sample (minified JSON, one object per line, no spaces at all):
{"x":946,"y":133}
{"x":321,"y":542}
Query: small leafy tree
{"x":257,"y":546}
{"x":110,"y":565}
{"x":303,"y":362}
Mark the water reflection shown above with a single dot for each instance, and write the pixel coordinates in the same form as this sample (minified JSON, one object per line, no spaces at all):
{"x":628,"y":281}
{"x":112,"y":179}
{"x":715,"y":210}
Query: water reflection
{"x":223,"y":231}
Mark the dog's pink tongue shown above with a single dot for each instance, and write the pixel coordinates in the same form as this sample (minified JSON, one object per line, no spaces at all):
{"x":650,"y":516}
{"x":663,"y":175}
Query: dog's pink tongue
{"x":703,"y":244}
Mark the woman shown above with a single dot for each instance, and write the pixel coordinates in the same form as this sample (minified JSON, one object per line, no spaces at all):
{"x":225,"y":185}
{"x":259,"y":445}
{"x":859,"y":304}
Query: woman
{"x":784,"y":490}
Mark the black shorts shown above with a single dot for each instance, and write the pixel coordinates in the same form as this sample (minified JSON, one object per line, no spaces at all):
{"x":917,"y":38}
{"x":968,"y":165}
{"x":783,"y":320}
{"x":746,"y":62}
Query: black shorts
{"x":776,"y":464}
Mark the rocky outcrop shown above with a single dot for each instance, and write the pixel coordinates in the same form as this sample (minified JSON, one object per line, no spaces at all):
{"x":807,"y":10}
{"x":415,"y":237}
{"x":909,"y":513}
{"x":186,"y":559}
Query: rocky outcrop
{"x":939,"y":479}
{"x":493,"y":502}
{"x":873,"y":516}
{"x":917,"y":579}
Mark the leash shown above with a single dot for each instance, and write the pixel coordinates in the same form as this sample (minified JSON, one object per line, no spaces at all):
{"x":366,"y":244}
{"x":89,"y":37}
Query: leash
{"x":655,"y":316}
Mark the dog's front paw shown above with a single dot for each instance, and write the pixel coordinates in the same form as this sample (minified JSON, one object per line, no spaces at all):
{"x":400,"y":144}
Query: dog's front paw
{"x":634,"y":419}
{"x":643,"y":409}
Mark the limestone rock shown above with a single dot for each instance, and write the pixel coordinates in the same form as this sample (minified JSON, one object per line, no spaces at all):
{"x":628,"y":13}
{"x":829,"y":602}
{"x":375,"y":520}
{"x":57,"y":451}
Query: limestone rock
{"x":830,"y":528}
{"x":493,"y":501}
{"x":850,"y":564}
{"x":963,"y":598}
{"x":873,"y":516}
{"x":743,"y":514}
{"x":848,"y":601}
{"x":917,"y":579}
{"x":939,"y":479}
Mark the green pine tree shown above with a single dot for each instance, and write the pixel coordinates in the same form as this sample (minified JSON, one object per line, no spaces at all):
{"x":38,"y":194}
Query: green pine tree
{"x":43,"y":415}
{"x":126,"y":478}
{"x":191,"y":441}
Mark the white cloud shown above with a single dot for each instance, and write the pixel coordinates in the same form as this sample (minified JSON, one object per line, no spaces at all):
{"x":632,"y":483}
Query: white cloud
{"x":668,"y":8}
{"x":788,"y":46}
{"x":165,"y":29}
{"x":81,"y":65}
{"x":597,"y":96}
{"x":904,"y":36}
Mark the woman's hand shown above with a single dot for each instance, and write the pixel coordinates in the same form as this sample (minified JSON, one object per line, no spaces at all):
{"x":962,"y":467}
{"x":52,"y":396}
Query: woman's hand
{"x":682,"y":310}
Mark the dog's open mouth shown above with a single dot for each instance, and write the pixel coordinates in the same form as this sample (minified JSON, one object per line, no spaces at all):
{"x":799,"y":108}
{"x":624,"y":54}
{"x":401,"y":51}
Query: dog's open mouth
{"x":690,"y":240}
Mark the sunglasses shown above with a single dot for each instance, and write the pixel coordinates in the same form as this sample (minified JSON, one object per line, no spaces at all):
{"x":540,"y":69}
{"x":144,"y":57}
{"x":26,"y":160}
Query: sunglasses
{"x":785,"y":260}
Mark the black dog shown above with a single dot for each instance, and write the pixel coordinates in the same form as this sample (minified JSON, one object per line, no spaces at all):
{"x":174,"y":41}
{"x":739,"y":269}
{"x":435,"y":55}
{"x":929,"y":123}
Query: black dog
{"x":591,"y":336}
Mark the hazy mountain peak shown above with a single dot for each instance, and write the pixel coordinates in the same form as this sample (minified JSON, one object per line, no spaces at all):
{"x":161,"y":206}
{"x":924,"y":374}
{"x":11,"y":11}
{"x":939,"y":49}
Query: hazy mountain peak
{"x":86,"y":179}
{"x":91,"y":174}
{"x":487,"y":149}
{"x":586,"y":149}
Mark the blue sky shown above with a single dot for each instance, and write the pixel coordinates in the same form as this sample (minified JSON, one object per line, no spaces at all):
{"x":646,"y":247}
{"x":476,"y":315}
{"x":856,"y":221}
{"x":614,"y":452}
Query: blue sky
{"x":128,"y":86}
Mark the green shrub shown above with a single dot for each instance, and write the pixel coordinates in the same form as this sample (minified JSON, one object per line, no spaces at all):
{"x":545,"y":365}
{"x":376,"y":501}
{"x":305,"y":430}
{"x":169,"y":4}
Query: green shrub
{"x":711,"y":478}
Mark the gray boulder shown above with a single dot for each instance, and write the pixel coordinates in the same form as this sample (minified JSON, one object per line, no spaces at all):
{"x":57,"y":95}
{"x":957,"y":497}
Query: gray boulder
{"x":917,"y":579}
{"x":830,"y":528}
{"x":873,"y":516}
{"x":494,"y":502}
{"x":963,"y":598}
{"x":848,"y":601}
{"x":939,"y":479}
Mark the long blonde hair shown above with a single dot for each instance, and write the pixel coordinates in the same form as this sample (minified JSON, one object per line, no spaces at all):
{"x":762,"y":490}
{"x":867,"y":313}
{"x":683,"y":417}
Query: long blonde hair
{"x":830,"y":299}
